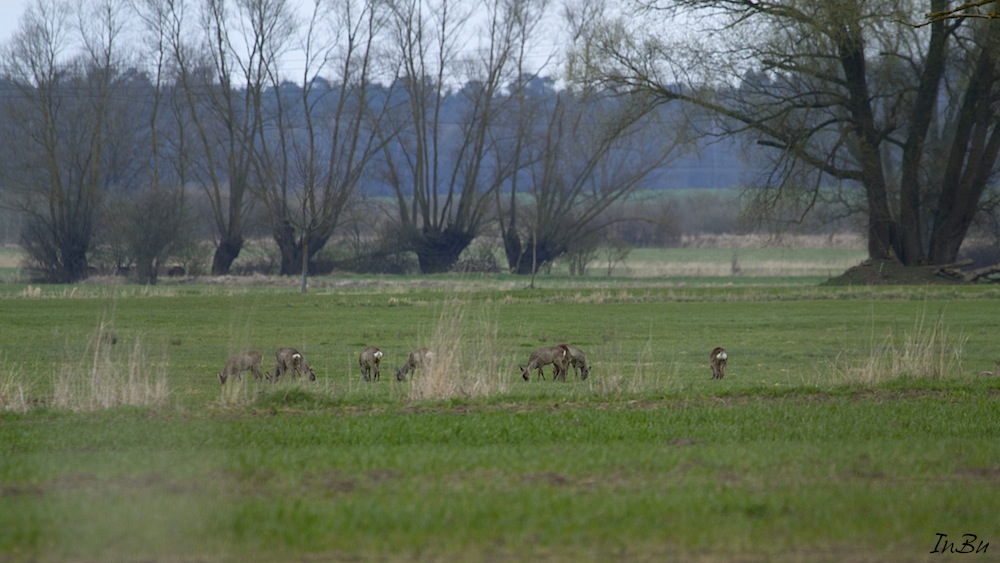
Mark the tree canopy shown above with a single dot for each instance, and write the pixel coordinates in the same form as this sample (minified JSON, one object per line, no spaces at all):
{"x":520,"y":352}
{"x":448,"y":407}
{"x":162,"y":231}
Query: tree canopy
{"x":845,"y":100}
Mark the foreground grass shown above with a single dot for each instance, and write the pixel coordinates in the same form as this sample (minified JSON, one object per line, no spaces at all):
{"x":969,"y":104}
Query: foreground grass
{"x":794,"y":456}
{"x":848,"y":475}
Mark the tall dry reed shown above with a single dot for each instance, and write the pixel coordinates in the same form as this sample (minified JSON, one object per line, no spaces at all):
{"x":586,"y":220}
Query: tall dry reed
{"x":928,"y":350}
{"x":466,"y":356}
{"x":109,"y":373}
{"x":15,"y":390}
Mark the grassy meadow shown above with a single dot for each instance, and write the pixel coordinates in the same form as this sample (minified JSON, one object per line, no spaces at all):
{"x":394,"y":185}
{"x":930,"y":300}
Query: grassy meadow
{"x":852,"y":424}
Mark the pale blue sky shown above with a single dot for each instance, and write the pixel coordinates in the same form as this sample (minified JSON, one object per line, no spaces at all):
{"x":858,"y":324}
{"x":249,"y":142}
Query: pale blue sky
{"x":548,"y":45}
{"x":10,"y":14}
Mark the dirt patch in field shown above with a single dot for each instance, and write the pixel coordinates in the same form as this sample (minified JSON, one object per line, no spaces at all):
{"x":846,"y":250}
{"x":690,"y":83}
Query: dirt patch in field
{"x":979,"y":473}
{"x":680,"y":442}
{"x":890,"y":272}
{"x":870,"y":394}
{"x":91,"y":482}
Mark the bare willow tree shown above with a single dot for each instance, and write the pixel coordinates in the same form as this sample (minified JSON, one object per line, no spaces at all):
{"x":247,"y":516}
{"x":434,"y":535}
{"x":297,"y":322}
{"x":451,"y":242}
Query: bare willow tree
{"x":441,"y":165}
{"x":846,"y":99}
{"x":221,"y":57}
{"x":324,"y":133}
{"x":591,"y":150}
{"x":64,"y":117}
{"x":579,"y":151}
{"x":150,"y":224}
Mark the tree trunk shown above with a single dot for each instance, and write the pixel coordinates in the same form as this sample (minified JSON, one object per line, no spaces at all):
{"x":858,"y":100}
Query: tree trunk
{"x":513,"y":250}
{"x":921,"y":118}
{"x":74,"y":261}
{"x":882,"y":237}
{"x":290,"y":249}
{"x":437,"y":251}
{"x":971,"y":162}
{"x":291,"y":246}
{"x":542,"y":254}
{"x":146,"y":270}
{"x":227,"y":251}
{"x":882,"y":232}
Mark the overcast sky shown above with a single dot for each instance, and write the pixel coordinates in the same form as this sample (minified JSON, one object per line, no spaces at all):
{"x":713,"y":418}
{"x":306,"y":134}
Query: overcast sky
{"x":549,"y":44}
{"x":10,"y":14}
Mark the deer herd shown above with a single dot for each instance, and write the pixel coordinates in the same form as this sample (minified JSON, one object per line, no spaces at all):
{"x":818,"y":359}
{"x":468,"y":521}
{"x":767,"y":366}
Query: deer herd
{"x":561,"y":357}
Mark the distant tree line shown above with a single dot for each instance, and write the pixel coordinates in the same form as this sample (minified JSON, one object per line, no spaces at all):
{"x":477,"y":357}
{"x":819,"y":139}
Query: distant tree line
{"x":131,"y":130}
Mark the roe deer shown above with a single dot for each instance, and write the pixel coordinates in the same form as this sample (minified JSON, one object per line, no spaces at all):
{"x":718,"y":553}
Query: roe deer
{"x":418,"y":359}
{"x":558,"y":356}
{"x":241,"y":362}
{"x":290,"y":359}
{"x":578,"y":360}
{"x":717,"y":360}
{"x":369,"y":361}
{"x":991,"y":373}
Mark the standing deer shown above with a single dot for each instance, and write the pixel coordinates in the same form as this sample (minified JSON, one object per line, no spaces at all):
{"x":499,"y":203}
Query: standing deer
{"x":241,"y":362}
{"x":558,"y":356}
{"x":369,"y":361}
{"x":579,"y":362}
{"x":418,"y":359}
{"x":291,"y":359}
{"x":717,"y":360}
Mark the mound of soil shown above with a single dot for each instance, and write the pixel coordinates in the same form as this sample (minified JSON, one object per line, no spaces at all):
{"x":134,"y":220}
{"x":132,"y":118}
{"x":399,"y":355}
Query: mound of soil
{"x":890,"y":272}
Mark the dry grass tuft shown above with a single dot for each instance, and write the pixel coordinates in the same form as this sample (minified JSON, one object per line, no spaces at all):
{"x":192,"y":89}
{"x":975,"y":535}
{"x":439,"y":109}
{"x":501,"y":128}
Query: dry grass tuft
{"x":926,"y":351}
{"x":15,"y":390}
{"x":30,"y":292}
{"x":109,"y":374}
{"x":465,"y":357}
{"x":627,"y":372}
{"x":236,"y":394}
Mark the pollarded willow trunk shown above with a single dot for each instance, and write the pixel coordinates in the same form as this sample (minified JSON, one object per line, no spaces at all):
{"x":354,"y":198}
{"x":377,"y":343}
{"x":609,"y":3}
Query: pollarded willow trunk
{"x":292,"y":246}
{"x":74,"y":261}
{"x":438,"y":251}
{"x":535,"y":256}
{"x":225,"y":254}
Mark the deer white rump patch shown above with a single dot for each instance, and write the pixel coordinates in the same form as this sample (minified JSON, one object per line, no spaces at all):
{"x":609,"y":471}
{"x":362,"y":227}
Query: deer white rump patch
{"x":722,"y":355}
{"x":378,"y":355}
{"x":296,"y":357}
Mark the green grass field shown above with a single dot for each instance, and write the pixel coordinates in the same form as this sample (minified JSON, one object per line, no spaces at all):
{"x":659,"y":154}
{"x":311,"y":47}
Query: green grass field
{"x":852,"y":424}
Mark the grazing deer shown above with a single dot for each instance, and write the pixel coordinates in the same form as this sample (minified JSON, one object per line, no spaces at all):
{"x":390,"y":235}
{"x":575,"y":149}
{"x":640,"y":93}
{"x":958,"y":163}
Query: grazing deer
{"x":717,"y":359}
{"x":369,"y":361}
{"x":418,"y":359}
{"x":579,"y":362}
{"x":558,"y":356}
{"x":291,"y":359}
{"x":241,"y":362}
